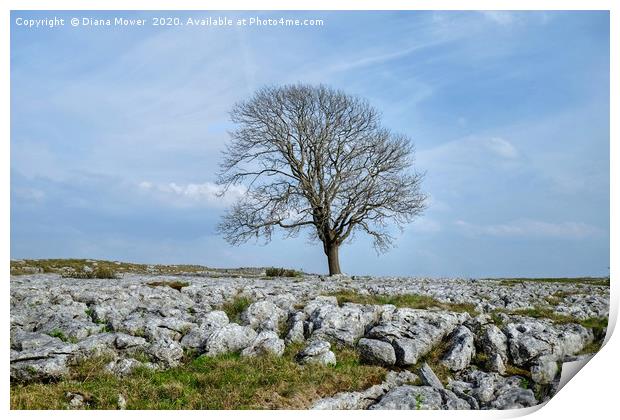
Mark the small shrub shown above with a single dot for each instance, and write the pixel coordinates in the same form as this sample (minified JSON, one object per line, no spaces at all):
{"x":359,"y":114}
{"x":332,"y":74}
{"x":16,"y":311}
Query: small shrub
{"x":282,"y":272}
{"x":176,"y":285}
{"x":235,"y":307}
{"x":96,"y":273}
{"x":59,"y":334}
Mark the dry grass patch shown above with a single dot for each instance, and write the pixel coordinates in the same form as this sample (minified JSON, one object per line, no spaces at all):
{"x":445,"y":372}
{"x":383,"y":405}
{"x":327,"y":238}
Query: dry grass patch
{"x":176,"y":285}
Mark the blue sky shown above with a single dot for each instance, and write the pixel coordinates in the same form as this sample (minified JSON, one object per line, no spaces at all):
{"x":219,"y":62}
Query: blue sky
{"x":116,"y":134}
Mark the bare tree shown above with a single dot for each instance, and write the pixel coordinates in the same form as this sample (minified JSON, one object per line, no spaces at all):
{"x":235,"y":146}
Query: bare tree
{"x":315,"y":157}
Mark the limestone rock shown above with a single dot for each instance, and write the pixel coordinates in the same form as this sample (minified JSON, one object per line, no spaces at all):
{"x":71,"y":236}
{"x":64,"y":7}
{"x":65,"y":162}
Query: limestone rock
{"x":229,"y":338}
{"x":266,"y":342}
{"x":318,"y":351}
{"x":376,"y":352}
{"x":461,"y":349}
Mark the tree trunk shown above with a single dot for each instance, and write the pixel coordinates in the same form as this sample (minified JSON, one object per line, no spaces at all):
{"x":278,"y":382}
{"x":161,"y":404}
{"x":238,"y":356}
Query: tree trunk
{"x":332,"y":259}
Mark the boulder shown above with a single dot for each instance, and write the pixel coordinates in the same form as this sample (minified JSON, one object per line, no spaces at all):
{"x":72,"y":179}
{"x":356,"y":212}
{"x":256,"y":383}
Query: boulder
{"x":197,"y":336}
{"x":492,"y":390}
{"x":344,"y":325}
{"x":265,"y":343}
{"x":376,"y":352}
{"x":414,"y":332}
{"x":363,"y":399}
{"x":124,"y":367}
{"x":461,"y":349}
{"x":40,"y":358}
{"x":544,"y":370}
{"x":529,"y":339}
{"x":408,"y":397}
{"x":428,"y":377}
{"x":263,"y":316}
{"x":317,"y":352}
{"x":166,"y":353}
{"x":229,"y":338}
{"x":295,"y":332}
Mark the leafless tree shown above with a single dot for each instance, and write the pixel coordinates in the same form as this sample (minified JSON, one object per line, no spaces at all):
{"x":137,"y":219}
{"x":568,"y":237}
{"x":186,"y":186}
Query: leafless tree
{"x":315,"y":157}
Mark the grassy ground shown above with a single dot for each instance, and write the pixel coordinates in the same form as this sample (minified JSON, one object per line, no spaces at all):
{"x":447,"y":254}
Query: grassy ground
{"x":403,"y":301}
{"x":87,"y":268}
{"x":223,"y":382}
{"x":595,"y":281}
{"x":68,"y":266}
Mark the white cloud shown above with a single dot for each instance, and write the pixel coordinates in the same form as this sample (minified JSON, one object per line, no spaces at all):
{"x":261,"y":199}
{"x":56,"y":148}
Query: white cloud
{"x":205,"y":194}
{"x":502,"y":147}
{"x":500,"y":17}
{"x":425,"y":225}
{"x":531,"y":228}
{"x":473,"y":151}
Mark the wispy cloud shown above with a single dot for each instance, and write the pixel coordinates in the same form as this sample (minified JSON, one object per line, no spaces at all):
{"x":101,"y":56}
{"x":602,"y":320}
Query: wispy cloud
{"x":499,"y":16}
{"x":471,"y":151}
{"x":204,"y":194}
{"x":530,"y":228}
{"x":501,"y":147}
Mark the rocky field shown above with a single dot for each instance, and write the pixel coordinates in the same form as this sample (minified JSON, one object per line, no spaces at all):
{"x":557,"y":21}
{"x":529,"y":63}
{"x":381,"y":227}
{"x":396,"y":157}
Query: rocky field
{"x":153,"y":340}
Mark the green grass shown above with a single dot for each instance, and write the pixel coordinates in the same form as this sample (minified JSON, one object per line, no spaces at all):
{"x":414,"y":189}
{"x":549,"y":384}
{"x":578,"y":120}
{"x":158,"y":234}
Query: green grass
{"x":403,"y":301}
{"x":222,"y":382}
{"x":59,"y":334}
{"x":282,"y":272}
{"x":595,"y":281}
{"x":598,"y":324}
{"x":235,"y":306}
{"x":176,"y":285}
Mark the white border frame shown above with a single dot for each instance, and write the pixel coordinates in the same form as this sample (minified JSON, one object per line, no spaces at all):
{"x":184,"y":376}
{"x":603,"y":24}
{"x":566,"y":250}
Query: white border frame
{"x":591,"y":394}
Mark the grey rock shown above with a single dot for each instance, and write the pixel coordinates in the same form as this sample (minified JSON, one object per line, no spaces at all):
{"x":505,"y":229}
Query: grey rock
{"x":76,"y":401}
{"x":43,"y":369}
{"x":317,"y":352}
{"x":408,"y":397}
{"x":495,"y":363}
{"x":414,"y":332}
{"x":168,"y":354}
{"x":229,"y":338}
{"x":124,"y":367}
{"x":295,"y":332}
{"x":428,"y":377}
{"x":197,"y":335}
{"x":344,"y":325}
{"x":461,"y":349}
{"x":492,"y":390}
{"x":376,"y":352}
{"x":215,"y":319}
{"x":121,"y":402}
{"x":98,"y":345}
{"x":363,"y":399}
{"x":265,"y":343}
{"x":263,"y":315}
{"x":514,"y":398}
{"x":125,"y":341}
{"x":544,"y":370}
{"x":494,"y":344}
{"x":530,"y":339}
